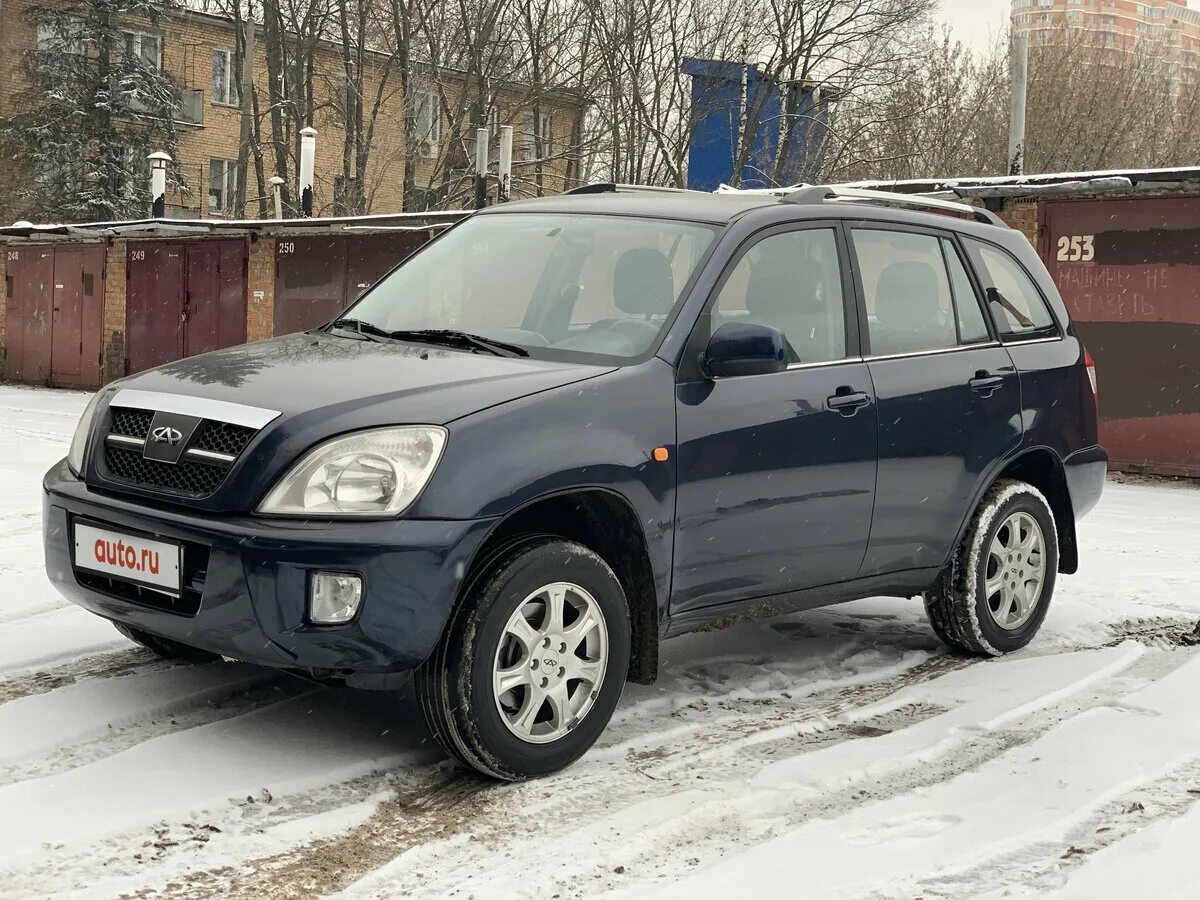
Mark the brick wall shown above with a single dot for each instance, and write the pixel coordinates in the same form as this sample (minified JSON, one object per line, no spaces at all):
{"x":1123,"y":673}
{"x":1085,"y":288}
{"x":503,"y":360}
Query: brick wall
{"x":1022,"y":215}
{"x":112,"y":341}
{"x":260,"y":289}
{"x":188,"y":42}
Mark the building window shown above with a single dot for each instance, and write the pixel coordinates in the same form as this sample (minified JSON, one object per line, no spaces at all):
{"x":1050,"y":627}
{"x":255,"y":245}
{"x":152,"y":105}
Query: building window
{"x":224,"y":82}
{"x":529,"y":139}
{"x":143,"y":48}
{"x":426,"y":122}
{"x":222,"y":183}
{"x":66,"y":38}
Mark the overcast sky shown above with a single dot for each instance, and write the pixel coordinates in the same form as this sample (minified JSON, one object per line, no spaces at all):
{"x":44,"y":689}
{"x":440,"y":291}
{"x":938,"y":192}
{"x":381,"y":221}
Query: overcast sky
{"x":977,"y":22}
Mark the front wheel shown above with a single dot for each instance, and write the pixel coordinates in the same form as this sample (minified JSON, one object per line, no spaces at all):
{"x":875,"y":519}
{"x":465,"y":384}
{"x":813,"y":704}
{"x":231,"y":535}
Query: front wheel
{"x":994,"y":595}
{"x":532,"y":663}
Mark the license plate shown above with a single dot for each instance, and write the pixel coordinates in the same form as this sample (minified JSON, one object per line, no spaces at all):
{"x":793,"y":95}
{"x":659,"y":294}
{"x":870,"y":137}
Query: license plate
{"x":127,"y":556}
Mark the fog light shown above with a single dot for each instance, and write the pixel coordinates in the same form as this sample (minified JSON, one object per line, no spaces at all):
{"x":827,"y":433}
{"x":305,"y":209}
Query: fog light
{"x":333,"y":597}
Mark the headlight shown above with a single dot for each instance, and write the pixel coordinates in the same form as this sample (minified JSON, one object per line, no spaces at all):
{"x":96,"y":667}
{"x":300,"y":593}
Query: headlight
{"x":82,"y":430}
{"x":369,"y":473}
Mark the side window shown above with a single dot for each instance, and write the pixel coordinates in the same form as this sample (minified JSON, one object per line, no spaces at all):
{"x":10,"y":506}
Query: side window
{"x":791,"y":281}
{"x":910,"y":307}
{"x":972,"y":329}
{"x":1015,"y":303}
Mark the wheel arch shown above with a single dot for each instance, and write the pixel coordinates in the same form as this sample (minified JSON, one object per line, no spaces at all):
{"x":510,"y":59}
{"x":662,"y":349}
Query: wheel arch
{"x":1043,"y":468}
{"x":604,"y":521}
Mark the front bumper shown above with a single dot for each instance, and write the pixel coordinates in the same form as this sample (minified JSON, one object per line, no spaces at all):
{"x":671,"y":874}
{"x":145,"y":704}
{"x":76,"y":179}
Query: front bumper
{"x":253,"y":587}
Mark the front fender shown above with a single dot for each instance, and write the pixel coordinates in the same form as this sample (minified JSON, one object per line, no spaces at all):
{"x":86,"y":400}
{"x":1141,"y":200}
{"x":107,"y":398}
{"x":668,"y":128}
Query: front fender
{"x":596,"y":434}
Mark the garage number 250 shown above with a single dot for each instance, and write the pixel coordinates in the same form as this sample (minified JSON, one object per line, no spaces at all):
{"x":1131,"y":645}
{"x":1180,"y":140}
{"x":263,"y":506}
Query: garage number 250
{"x":1077,"y":248}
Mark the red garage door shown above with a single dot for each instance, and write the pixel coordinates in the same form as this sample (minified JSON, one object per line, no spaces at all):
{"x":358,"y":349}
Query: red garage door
{"x":54,"y":310}
{"x":182,"y":299}
{"x":1129,"y":271}
{"x":318,"y":277}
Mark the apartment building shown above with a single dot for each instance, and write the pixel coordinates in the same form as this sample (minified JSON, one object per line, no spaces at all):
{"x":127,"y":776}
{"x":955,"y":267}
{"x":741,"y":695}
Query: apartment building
{"x":1115,"y":27}
{"x":197,"y":50}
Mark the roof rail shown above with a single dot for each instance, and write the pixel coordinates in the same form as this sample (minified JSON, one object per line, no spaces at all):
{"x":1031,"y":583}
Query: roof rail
{"x":821,"y":193}
{"x":608,"y":187}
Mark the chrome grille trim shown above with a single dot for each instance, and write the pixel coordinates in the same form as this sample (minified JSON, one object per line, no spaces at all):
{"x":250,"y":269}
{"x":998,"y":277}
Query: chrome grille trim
{"x":201,"y":407}
{"x":126,"y":440}
{"x":209,"y":456}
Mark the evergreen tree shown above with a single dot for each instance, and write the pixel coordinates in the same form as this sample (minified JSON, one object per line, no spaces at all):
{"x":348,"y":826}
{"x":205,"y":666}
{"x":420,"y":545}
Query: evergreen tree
{"x":99,"y":103}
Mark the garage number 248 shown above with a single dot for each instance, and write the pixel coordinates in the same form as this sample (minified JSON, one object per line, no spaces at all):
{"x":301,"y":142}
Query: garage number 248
{"x":1077,"y":248}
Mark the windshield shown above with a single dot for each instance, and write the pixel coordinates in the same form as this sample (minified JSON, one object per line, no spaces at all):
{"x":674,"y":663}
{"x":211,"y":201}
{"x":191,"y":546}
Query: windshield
{"x":556,"y":286}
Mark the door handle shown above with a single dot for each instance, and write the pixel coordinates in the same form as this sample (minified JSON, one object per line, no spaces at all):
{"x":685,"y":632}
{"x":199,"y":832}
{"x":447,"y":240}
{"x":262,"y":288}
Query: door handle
{"x":986,"y":383}
{"x":847,"y":401}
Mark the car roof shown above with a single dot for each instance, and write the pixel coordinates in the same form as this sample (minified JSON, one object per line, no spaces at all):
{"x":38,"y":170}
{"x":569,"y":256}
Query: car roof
{"x":724,"y":208}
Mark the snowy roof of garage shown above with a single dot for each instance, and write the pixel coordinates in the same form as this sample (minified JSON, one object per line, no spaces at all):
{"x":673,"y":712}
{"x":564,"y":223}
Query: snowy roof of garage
{"x":424,"y":221}
{"x":1052,"y":184}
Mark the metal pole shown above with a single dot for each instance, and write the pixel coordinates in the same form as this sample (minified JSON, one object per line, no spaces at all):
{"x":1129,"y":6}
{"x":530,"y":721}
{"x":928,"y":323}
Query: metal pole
{"x":1020,"y":93}
{"x":308,"y":155}
{"x":277,"y":190}
{"x":504,"y":170}
{"x":158,"y":184}
{"x":481,"y":167}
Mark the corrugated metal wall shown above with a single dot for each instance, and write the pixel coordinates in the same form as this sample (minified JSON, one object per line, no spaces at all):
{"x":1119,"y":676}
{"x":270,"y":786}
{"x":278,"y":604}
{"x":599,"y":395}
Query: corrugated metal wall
{"x":1129,"y":271}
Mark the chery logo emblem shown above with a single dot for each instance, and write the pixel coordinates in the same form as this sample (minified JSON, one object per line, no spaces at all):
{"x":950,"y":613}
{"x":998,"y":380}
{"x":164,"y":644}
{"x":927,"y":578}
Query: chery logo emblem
{"x":165,"y":434}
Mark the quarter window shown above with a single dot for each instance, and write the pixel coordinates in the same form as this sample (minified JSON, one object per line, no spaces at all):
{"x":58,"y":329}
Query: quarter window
{"x":1015,"y":304}
{"x":790,"y":281}
{"x":910,"y":305}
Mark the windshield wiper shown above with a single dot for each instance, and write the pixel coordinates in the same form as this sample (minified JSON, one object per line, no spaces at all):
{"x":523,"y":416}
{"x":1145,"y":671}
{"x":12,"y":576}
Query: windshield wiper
{"x":366,"y":329}
{"x":459,"y":339}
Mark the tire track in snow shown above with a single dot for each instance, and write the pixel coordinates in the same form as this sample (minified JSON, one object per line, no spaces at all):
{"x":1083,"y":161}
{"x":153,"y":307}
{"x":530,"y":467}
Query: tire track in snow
{"x":690,"y":816}
{"x":105,"y":665}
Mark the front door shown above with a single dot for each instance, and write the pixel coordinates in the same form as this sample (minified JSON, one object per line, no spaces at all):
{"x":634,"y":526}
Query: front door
{"x":948,"y":394}
{"x":775,"y":484}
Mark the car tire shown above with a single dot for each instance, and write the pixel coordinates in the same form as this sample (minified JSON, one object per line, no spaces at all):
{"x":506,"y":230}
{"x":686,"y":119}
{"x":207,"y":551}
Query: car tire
{"x":561,"y":697}
{"x":994,"y":595}
{"x":161,"y":646}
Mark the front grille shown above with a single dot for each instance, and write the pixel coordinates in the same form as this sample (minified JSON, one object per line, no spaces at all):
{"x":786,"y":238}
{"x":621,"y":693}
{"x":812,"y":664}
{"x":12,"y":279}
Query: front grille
{"x":221,"y":437}
{"x":194,"y":479}
{"x":131,"y":422}
{"x":192,"y":476}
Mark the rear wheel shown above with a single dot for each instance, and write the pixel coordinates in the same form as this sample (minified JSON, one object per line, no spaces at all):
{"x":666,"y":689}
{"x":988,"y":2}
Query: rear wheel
{"x":161,"y":646}
{"x":532,"y":663}
{"x":995,"y":593}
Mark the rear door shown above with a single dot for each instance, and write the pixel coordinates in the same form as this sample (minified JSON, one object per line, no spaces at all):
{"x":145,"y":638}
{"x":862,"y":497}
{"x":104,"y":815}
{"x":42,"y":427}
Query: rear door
{"x":948,"y":394}
{"x":776,"y":484}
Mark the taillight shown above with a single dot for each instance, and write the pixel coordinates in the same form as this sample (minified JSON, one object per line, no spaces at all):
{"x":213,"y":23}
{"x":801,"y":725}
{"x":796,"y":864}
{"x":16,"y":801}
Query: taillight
{"x":1091,"y":370}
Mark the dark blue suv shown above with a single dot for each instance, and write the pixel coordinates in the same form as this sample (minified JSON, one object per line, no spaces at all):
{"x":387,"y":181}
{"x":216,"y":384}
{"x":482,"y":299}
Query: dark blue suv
{"x":570,"y":428}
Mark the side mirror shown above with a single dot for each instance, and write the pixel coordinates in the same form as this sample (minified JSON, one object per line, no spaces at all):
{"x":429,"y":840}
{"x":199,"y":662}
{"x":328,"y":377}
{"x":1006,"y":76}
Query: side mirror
{"x":745,"y":348}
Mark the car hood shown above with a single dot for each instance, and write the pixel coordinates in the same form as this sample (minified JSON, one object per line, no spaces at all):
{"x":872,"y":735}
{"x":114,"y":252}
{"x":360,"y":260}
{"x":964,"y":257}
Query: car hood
{"x":368,"y":382}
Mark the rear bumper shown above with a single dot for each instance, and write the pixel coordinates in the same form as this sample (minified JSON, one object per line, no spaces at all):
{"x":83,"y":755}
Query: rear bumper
{"x":1086,"y":471}
{"x":252,"y":590}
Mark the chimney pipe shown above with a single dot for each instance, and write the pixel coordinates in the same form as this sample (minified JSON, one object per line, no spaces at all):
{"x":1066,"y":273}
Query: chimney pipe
{"x":308,"y":155}
{"x":504,"y":171}
{"x":158,"y":184}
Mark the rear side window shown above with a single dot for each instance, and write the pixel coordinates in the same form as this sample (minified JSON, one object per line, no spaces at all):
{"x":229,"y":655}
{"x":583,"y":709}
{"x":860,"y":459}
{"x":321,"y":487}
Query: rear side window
{"x":911,"y":305}
{"x":1016,"y":305}
{"x":791,"y":281}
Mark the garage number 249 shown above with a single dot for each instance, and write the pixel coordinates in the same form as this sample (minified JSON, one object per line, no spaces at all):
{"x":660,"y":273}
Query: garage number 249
{"x":1077,"y":248}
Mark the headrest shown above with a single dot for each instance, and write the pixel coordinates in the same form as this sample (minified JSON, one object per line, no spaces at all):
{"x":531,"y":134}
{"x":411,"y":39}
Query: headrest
{"x":907,"y":295}
{"x":643,"y":283}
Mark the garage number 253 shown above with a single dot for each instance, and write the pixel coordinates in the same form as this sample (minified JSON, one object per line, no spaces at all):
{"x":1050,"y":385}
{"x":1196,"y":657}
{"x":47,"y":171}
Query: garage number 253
{"x":1077,"y":248}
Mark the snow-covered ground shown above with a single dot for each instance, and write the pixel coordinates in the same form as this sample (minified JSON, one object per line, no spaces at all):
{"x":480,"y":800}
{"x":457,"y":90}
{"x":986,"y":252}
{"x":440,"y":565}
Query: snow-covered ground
{"x":837,"y":753}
